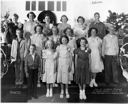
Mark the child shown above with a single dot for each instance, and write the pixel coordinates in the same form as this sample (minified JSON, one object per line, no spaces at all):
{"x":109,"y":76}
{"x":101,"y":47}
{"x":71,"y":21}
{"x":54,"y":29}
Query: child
{"x":110,"y":50}
{"x":72,"y":43}
{"x":17,"y":54}
{"x":64,"y":65}
{"x":82,"y":55}
{"x":50,"y":67}
{"x":32,"y":65}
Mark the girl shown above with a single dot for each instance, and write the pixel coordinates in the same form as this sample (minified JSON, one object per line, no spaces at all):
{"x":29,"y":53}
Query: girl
{"x":50,"y":67}
{"x":39,"y":40}
{"x":82,"y":66}
{"x":72,"y":43}
{"x":64,"y":65}
{"x":63,"y":25}
{"x":95,"y":44}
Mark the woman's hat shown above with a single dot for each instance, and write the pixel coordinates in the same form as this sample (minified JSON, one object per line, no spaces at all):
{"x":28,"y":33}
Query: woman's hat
{"x":31,"y":13}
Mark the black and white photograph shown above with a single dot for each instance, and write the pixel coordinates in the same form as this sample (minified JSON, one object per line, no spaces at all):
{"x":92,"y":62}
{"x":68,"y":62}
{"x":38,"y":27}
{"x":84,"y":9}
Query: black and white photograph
{"x":64,"y":51}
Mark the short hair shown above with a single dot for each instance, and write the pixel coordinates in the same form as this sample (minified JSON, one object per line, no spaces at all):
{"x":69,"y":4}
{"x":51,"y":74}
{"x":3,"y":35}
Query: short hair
{"x":38,"y":26}
{"x":64,"y":16}
{"x":67,"y":29}
{"x":64,"y":36}
{"x":81,"y":18}
{"x":89,"y":31}
{"x":46,"y":44}
{"x":56,"y":28}
{"x":79,"y":40}
{"x":33,"y":46}
{"x":16,"y":15}
{"x":96,"y":13}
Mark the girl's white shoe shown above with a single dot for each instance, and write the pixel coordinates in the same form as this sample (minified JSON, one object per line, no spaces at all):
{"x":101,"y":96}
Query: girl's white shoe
{"x":81,"y":95}
{"x":95,"y":84}
{"x":47,"y":94}
{"x":84,"y":95}
{"x":50,"y":94}
{"x":67,"y":95}
{"x":91,"y":83}
{"x":62,"y":94}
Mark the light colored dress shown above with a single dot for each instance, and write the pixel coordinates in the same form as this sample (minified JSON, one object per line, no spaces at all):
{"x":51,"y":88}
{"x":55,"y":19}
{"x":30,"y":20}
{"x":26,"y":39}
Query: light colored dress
{"x":80,"y":31}
{"x":62,"y":27}
{"x":96,"y":61}
{"x":50,"y":66}
{"x":64,"y":63}
{"x":39,"y":41}
{"x":72,"y":44}
{"x":29,"y":27}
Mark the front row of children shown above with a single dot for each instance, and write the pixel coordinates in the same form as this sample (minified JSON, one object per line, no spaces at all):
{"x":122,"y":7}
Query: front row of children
{"x":59,"y":61}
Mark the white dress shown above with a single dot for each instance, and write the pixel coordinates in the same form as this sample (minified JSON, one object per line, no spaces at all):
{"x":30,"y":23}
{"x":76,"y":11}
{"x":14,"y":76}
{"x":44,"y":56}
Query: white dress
{"x":50,"y":67}
{"x":96,"y":61}
{"x":64,"y":63}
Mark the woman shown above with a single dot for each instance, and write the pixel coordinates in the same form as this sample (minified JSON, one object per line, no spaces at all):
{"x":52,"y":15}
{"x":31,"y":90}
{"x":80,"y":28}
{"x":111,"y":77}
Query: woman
{"x":95,"y":44}
{"x":62,"y":26}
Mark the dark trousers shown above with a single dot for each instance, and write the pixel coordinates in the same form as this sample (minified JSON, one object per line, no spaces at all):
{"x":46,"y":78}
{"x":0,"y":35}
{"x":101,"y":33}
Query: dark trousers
{"x":111,"y":69}
{"x":32,"y":82}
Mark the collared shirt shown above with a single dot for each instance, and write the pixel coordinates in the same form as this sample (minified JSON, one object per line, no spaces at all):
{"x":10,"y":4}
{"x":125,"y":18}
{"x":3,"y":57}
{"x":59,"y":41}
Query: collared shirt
{"x":110,"y":45}
{"x":33,"y":55}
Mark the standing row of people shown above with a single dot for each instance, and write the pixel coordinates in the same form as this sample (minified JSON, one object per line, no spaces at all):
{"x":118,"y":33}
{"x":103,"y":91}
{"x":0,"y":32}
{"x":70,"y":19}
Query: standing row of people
{"x":68,"y":54}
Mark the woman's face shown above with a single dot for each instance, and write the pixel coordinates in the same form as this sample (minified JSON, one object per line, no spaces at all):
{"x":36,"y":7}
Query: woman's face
{"x":82,"y":43}
{"x":80,"y":21}
{"x":38,"y":29}
{"x":15,"y":19}
{"x":64,"y":19}
{"x":54,"y":30}
{"x":93,"y":32}
{"x":47,"y":19}
{"x":64,"y":41}
{"x":31,"y":17}
{"x":68,"y":32}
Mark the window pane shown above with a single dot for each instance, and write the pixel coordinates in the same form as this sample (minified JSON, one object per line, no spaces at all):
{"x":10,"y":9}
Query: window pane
{"x":64,"y":6}
{"x":51,"y":5}
{"x":41,"y":5}
{"x":27,"y":5}
{"x":33,"y":5}
{"x":58,"y":5}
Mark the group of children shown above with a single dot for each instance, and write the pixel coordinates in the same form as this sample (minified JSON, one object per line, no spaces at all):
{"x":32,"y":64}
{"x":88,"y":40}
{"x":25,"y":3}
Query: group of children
{"x":60,"y":54}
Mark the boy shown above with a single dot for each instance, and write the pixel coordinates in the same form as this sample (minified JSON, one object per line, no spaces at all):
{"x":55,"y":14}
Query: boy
{"x":110,"y":51}
{"x":32,"y":66}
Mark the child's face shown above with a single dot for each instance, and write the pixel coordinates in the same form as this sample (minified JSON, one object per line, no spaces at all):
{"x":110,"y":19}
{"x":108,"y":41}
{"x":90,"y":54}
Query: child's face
{"x":64,"y":41}
{"x":47,"y":19}
{"x":49,"y":44}
{"x":80,"y":21}
{"x":68,"y":32}
{"x":38,"y":29}
{"x":93,"y":32}
{"x":18,"y":33}
{"x":20,"y":25}
{"x":54,"y":30}
{"x":64,"y":19}
{"x":32,"y":49}
{"x":82,"y":43}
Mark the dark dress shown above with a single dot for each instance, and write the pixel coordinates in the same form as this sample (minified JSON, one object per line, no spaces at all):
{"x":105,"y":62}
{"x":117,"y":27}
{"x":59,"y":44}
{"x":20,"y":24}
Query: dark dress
{"x":82,"y":73}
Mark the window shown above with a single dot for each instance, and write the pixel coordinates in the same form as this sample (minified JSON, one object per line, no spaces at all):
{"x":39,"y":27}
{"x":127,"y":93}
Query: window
{"x":41,"y":5}
{"x":64,"y":6}
{"x":58,"y":6}
{"x":33,"y":5}
{"x":51,"y":5}
{"x":27,"y":5}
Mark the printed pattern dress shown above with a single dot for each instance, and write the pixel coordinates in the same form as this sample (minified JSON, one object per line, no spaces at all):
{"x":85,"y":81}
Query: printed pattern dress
{"x":82,"y":73}
{"x":96,"y":61}
{"x":64,"y":63}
